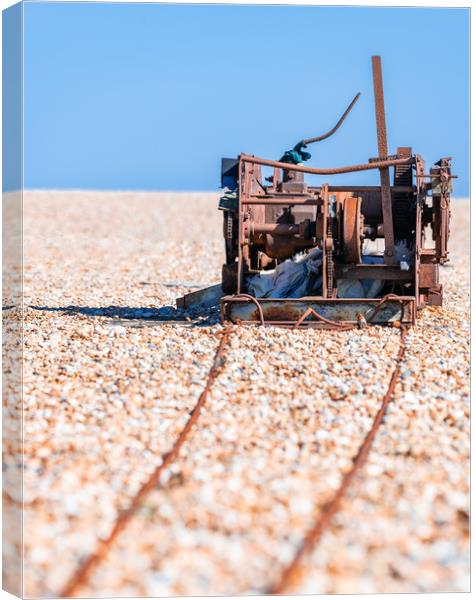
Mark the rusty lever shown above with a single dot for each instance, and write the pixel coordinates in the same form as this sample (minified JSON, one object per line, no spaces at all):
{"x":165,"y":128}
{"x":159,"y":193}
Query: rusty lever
{"x":336,"y":126}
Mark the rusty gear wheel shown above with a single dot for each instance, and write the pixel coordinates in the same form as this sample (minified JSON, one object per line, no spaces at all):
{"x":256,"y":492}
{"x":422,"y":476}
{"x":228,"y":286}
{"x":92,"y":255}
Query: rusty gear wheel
{"x":352,"y":230}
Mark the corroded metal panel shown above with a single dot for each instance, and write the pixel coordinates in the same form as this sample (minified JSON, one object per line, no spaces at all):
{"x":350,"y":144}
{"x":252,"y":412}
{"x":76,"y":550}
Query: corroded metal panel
{"x":285,"y":311}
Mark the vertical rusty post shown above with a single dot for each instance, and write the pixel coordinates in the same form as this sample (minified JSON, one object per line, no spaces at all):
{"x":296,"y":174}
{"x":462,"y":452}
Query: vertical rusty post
{"x":389,"y":255}
{"x":243,"y":178}
{"x":379,"y":107}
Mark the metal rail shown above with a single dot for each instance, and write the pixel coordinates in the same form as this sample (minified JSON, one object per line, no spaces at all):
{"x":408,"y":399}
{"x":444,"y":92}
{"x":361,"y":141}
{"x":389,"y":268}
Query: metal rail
{"x":377,"y":164}
{"x":81,"y":576}
{"x":293,"y":570}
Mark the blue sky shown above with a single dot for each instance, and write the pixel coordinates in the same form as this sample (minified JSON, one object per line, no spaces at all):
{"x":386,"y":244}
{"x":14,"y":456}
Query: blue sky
{"x":131,"y":96}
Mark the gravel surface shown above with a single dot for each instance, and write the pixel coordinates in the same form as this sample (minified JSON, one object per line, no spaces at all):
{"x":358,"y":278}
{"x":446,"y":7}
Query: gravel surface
{"x":104,"y":400}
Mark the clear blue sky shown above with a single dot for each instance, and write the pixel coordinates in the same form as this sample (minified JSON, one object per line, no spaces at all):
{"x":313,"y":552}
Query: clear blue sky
{"x":131,"y":96}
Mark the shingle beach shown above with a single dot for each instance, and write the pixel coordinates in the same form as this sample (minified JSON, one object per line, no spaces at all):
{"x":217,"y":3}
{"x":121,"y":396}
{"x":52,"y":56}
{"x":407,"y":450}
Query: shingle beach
{"x":107,"y":391}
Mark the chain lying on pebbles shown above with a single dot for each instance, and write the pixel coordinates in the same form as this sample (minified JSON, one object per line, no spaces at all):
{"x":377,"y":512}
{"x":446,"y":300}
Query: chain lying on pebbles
{"x":97,"y":426}
{"x":103,"y":401}
{"x":404,"y":528}
{"x":272,"y":444}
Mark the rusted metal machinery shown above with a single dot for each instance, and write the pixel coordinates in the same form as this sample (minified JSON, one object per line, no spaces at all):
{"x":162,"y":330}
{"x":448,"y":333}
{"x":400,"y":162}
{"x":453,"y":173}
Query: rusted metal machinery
{"x":324,"y":255}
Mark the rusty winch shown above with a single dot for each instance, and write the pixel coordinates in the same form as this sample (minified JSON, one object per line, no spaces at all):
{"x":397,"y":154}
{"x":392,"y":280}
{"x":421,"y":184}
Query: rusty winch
{"x":323,"y":255}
